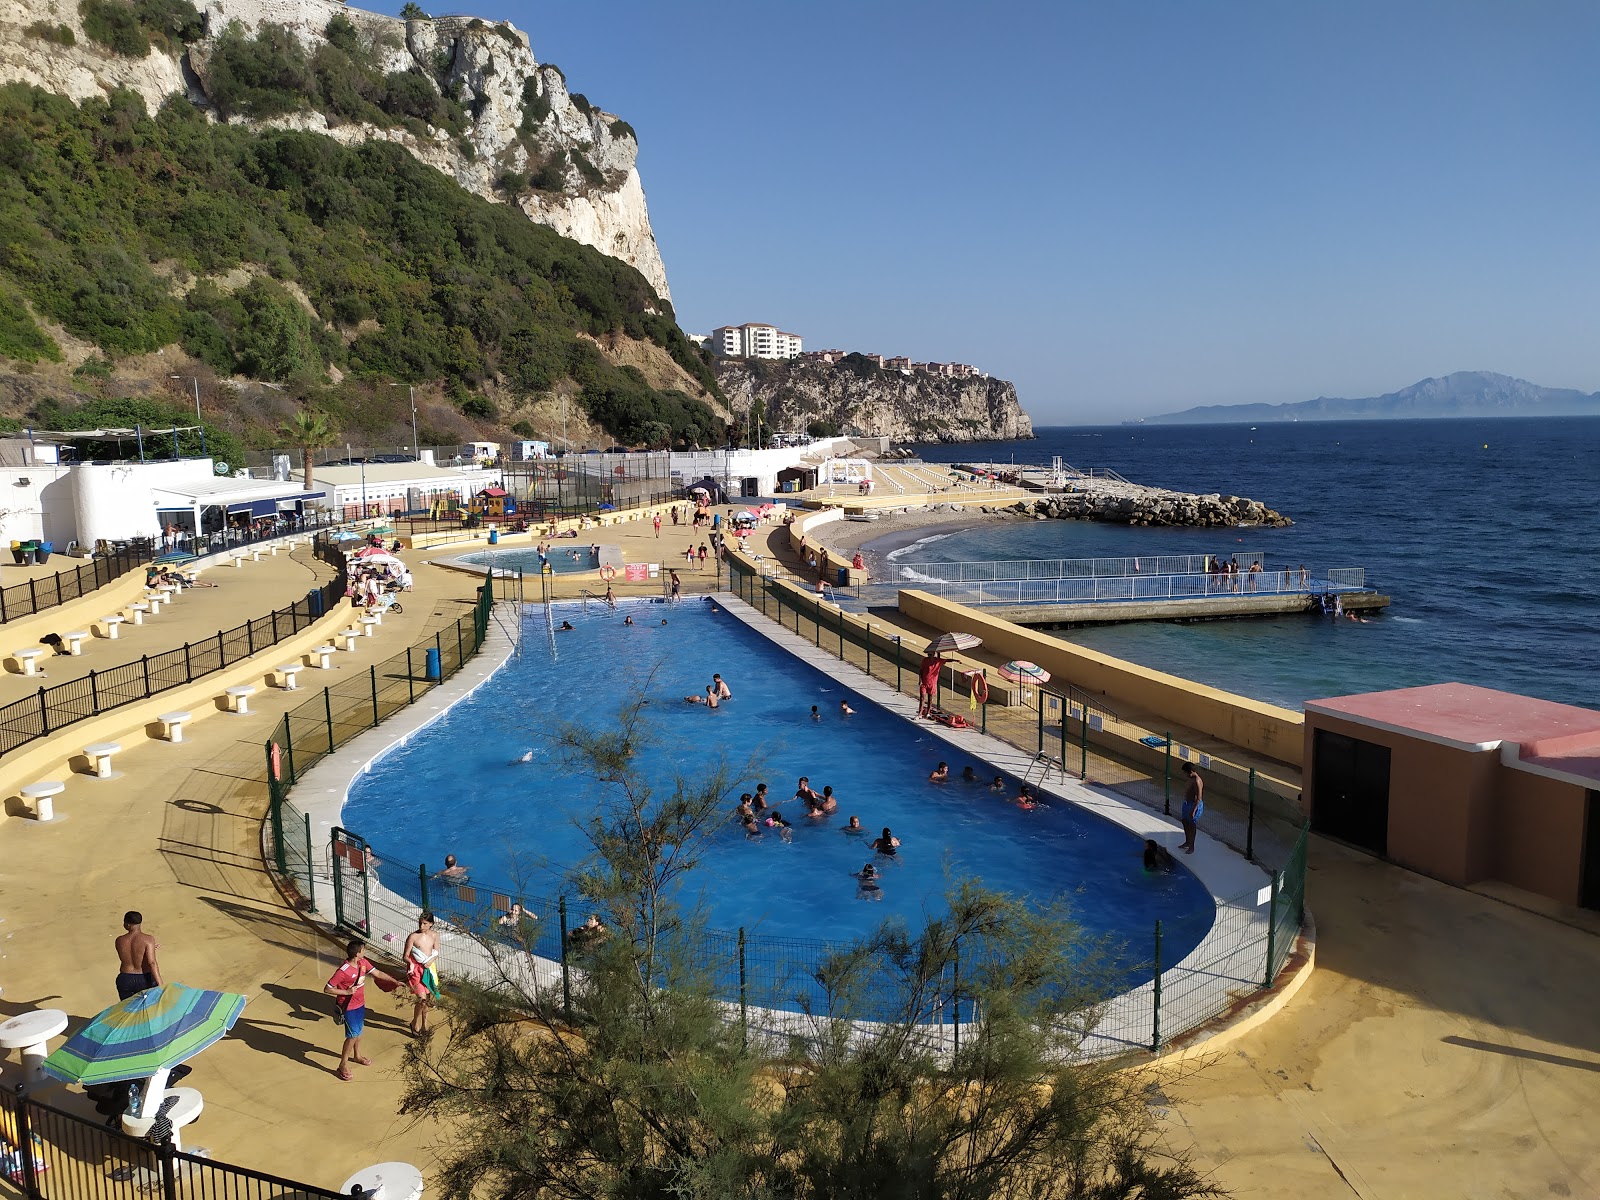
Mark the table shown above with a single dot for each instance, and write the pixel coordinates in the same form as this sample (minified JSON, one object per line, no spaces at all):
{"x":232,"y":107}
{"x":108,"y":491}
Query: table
{"x":399,"y":1181}
{"x":31,"y":1033}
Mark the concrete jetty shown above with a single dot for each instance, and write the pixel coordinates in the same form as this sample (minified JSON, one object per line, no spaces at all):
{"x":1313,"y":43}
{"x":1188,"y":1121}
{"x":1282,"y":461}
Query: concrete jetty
{"x":1102,"y":495}
{"x":1198,"y":608}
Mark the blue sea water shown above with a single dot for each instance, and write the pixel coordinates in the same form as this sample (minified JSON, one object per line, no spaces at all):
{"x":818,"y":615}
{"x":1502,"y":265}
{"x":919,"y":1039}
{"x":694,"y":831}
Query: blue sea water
{"x":1482,"y":531}
{"x":462,"y":787}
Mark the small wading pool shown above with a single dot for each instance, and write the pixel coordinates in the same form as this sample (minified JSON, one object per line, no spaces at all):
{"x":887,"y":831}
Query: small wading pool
{"x":526,"y":558}
{"x":462,"y":786}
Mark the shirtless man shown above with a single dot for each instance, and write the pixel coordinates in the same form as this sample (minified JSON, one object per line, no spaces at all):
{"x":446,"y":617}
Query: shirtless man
{"x":420,"y":952}
{"x":722,"y":687}
{"x":137,"y":968}
{"x":453,"y":871}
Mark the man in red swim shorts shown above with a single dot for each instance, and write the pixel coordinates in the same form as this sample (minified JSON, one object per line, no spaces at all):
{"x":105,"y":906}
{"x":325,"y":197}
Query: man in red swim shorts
{"x":928,"y":685}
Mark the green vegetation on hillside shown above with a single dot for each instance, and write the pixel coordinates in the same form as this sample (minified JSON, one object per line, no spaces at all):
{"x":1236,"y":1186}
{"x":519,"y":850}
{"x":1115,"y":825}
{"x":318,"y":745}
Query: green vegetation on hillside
{"x":411,"y":277}
{"x":20,"y":338}
{"x":154,"y":417}
{"x":129,"y":29}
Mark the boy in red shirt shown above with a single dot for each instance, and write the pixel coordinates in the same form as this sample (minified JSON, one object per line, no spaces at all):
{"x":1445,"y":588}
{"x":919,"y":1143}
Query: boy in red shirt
{"x":348,"y":986}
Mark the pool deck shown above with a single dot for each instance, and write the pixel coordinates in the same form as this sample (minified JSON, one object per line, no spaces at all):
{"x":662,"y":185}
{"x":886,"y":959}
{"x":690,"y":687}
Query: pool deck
{"x":1444,"y":1047}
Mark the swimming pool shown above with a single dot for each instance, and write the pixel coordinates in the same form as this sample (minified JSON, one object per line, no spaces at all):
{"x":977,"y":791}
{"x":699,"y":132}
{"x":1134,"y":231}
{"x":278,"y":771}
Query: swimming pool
{"x":462,"y":786}
{"x":526,"y":558}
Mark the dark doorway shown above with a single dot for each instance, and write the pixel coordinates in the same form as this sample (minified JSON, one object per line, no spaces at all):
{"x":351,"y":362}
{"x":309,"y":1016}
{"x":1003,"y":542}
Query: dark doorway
{"x":1350,"y":779}
{"x":1589,"y":896}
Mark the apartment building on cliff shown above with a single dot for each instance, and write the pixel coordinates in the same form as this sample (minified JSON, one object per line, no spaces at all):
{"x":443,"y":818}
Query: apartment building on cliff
{"x":754,"y":340}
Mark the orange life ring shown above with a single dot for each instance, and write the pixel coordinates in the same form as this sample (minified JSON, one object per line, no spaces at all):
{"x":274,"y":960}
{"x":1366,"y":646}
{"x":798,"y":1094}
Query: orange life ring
{"x":608,"y":572}
{"x":980,"y":687}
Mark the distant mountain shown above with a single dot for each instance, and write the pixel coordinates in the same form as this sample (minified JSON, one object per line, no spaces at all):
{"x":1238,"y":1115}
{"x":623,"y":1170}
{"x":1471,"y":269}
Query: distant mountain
{"x":1463,"y":394}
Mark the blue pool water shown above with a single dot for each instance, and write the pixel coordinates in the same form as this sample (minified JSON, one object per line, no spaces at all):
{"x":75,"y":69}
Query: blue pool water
{"x":526,"y":558}
{"x":458,"y":787}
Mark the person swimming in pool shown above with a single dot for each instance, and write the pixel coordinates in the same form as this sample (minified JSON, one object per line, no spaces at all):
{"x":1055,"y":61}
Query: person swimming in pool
{"x":566,"y":627}
{"x":853,"y":826}
{"x":868,"y":886}
{"x":721,"y":687}
{"x":744,"y":811}
{"x":845,"y":710}
{"x":1026,"y":800}
{"x":968,"y":775}
{"x":816,"y":713}
{"x":751,"y":828}
{"x":628,"y":620}
{"x":999,"y":784}
{"x":760,"y":796}
{"x":886,"y":845}
{"x":1157,"y":857}
{"x":803,"y":791}
{"x":939,"y":774}
{"x":775,"y":821}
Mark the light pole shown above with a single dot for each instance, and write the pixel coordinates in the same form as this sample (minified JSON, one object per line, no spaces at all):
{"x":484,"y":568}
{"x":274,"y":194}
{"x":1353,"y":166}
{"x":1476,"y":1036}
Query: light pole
{"x":416,"y":451}
{"x":195,"y":379}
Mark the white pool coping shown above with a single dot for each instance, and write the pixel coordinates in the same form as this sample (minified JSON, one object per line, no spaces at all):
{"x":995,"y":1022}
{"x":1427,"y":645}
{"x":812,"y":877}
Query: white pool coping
{"x":1226,"y":967}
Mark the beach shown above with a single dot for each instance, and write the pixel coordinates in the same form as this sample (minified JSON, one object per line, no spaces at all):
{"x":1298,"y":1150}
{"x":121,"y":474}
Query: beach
{"x":896,"y":530}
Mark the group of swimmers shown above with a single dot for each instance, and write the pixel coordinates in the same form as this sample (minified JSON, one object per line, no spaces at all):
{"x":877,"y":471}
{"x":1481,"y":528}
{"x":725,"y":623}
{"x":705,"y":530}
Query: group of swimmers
{"x":716,"y":692}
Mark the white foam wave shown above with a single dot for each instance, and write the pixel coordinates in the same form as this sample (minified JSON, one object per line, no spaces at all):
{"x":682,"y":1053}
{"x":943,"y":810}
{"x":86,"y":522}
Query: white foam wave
{"x":919,"y":577}
{"x":904,"y":550}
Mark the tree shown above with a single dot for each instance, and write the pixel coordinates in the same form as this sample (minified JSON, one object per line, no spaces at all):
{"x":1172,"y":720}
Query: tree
{"x":311,"y":429}
{"x":412,"y":11}
{"x":650,"y":1086}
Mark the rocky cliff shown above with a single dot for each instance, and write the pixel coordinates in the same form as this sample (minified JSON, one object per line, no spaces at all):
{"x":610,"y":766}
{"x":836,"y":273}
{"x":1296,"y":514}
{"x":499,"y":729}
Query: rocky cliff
{"x":522,"y":137}
{"x":872,"y":402}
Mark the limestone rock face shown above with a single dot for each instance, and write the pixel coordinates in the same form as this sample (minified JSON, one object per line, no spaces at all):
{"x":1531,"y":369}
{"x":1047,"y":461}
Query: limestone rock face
{"x":905,"y":407}
{"x":492,"y":68}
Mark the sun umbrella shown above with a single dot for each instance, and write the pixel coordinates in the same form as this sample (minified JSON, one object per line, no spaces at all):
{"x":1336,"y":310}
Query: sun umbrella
{"x":344,"y":535}
{"x":949,"y":643}
{"x":372,"y":552}
{"x":173,"y":557}
{"x":149,"y":1032}
{"x":1023,"y":671}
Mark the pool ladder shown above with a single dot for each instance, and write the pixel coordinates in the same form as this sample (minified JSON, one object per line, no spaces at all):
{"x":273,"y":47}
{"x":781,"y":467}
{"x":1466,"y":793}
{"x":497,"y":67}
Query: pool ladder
{"x":1045,"y":763}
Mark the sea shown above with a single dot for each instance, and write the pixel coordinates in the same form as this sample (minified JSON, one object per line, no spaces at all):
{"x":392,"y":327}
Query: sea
{"x":1485,"y":533}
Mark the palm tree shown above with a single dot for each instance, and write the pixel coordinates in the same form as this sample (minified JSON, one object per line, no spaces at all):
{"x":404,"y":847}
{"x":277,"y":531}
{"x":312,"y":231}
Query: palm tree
{"x":311,"y":429}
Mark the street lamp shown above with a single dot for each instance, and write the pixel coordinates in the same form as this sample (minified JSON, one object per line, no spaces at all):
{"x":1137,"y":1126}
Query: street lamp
{"x":196,"y":381}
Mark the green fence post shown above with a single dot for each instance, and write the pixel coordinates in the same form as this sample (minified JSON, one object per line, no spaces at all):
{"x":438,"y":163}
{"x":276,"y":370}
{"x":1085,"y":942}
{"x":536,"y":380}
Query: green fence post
{"x":438,"y":644}
{"x":288,"y":748}
{"x":1083,"y":740}
{"x":816,"y":620}
{"x":338,"y":881}
{"x":327,"y":710}
{"x":1040,"y":748}
{"x":866,"y":639}
{"x":373,"y":670}
{"x":566,"y":979}
{"x":984,"y":707}
{"x":422,"y":880}
{"x":1250,"y":824}
{"x":1166,"y":786}
{"x":275,"y":809}
{"x":744,"y":1012}
{"x":1066,"y":707}
{"x":841,"y":635}
{"x":897,"y":662}
{"x":1155,"y":1019}
{"x":461,"y":655}
{"x":1272,"y":930}
{"x":311,"y":874}
{"x":411,"y":679}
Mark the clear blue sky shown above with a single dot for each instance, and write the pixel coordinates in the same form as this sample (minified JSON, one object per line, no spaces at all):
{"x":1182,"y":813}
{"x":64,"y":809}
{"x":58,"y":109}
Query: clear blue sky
{"x":1126,"y":207}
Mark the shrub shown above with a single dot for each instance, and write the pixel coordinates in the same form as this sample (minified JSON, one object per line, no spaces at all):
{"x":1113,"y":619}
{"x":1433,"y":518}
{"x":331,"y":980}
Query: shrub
{"x":535,"y":105}
{"x":508,"y":33}
{"x":412,"y":11}
{"x":823,"y":429}
{"x":522,"y":429}
{"x":263,"y":76}
{"x":593,"y":174}
{"x":115,"y":26}
{"x":20,"y":338}
{"x":514,"y":182}
{"x":581,"y":103}
{"x":479,"y":407}
{"x":341,"y":32}
{"x":621,"y":129}
{"x":552,"y":174}
{"x":60,"y":35}
{"x":172,"y":22}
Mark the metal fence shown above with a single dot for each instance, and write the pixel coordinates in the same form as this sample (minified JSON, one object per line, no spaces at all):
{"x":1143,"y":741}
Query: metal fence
{"x":37,"y":595}
{"x":1069,"y":568}
{"x":59,"y":1155}
{"x":308,"y":733}
{"x":1126,"y":588}
{"x":53,"y":708}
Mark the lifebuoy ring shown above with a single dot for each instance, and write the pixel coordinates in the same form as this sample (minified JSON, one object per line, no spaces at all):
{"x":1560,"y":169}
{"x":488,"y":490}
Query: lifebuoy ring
{"x":608,"y":573}
{"x":980,"y":687}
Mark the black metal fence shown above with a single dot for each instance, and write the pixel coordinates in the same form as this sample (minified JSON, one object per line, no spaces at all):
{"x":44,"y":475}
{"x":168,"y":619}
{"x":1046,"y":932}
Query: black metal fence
{"x":53,"y":708}
{"x":36,"y":595}
{"x":52,"y":1154}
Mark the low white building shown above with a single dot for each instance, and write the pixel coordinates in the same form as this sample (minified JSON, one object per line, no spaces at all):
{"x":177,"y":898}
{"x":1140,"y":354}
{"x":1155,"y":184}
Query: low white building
{"x":394,"y":487}
{"x":744,"y":473}
{"x":754,"y":340}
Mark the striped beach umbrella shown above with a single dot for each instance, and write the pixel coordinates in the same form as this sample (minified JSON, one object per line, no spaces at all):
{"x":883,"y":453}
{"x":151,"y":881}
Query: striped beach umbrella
{"x":149,"y":1032}
{"x":173,"y":558}
{"x":950,"y":643}
{"x":1023,"y":671}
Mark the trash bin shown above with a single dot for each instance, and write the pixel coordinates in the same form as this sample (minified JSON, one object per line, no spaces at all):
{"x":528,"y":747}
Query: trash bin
{"x":30,"y":553}
{"x":431,"y":668}
{"x":844,"y":576}
{"x":494,"y":537}
{"x":314,"y":599}
{"x":46,"y":549}
{"x":16,"y":553}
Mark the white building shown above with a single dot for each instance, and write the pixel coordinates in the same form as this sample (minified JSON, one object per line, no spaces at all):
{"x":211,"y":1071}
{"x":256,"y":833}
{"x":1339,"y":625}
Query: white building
{"x":394,"y":487}
{"x":754,"y":340}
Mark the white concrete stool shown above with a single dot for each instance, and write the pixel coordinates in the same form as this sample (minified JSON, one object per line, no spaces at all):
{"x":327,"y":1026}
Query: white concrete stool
{"x":74,"y":641}
{"x":255,"y":554}
{"x":174,"y":724}
{"x":273,"y":549}
{"x":289,"y":671}
{"x":99,"y":755}
{"x":111,"y":624}
{"x":29,"y":660}
{"x":394,"y":1180}
{"x":349,"y":636}
{"x":40,"y":794}
{"x":238,"y":559}
{"x":325,"y":656}
{"x":370,"y":622}
{"x":239,"y":699}
{"x":31,"y":1032}
{"x":138,"y":610}
{"x":376,"y":615}
{"x":171,"y":591}
{"x":155,"y":600}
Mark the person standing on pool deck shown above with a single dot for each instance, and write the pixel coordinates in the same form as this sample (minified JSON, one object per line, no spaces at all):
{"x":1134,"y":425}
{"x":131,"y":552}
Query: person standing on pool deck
{"x":137,"y":968}
{"x":677,"y":588}
{"x":420,"y":951}
{"x":349,"y":987}
{"x":928,"y":684}
{"x":1193,"y":806}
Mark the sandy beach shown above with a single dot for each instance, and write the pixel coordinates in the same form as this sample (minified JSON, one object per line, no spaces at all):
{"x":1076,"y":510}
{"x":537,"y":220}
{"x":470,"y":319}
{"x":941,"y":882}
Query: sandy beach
{"x":896,"y":530}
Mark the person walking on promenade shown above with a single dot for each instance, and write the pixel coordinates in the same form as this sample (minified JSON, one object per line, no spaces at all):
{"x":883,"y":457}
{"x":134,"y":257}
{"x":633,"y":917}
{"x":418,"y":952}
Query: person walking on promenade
{"x":348,"y":986}
{"x":1193,"y":806}
{"x":420,"y":952}
{"x":137,"y":968}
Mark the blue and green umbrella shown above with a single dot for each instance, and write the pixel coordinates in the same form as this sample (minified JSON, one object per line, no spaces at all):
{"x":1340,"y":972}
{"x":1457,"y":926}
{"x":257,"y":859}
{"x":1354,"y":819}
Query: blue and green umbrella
{"x":149,"y":1032}
{"x":174,"y":557}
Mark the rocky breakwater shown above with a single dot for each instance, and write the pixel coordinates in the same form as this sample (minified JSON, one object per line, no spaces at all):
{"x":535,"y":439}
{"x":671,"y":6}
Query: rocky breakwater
{"x":1133,"y":504}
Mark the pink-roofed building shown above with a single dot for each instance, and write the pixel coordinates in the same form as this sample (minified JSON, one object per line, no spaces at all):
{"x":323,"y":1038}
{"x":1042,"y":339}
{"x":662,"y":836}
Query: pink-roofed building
{"x":1466,"y":784}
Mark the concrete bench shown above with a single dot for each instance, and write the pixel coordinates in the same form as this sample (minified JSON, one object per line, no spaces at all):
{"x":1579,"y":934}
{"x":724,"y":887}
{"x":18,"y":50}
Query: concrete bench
{"x":273,"y":549}
{"x":289,"y":671}
{"x":155,"y":600}
{"x":324,"y":656}
{"x":112,"y":624}
{"x":238,"y":559}
{"x":29,"y":660}
{"x":173,"y":723}
{"x":370,"y":622}
{"x":239,"y":699}
{"x":138,"y":609}
{"x":42,"y":796}
{"x":99,"y":756}
{"x":349,"y":636}
{"x":74,"y":641}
